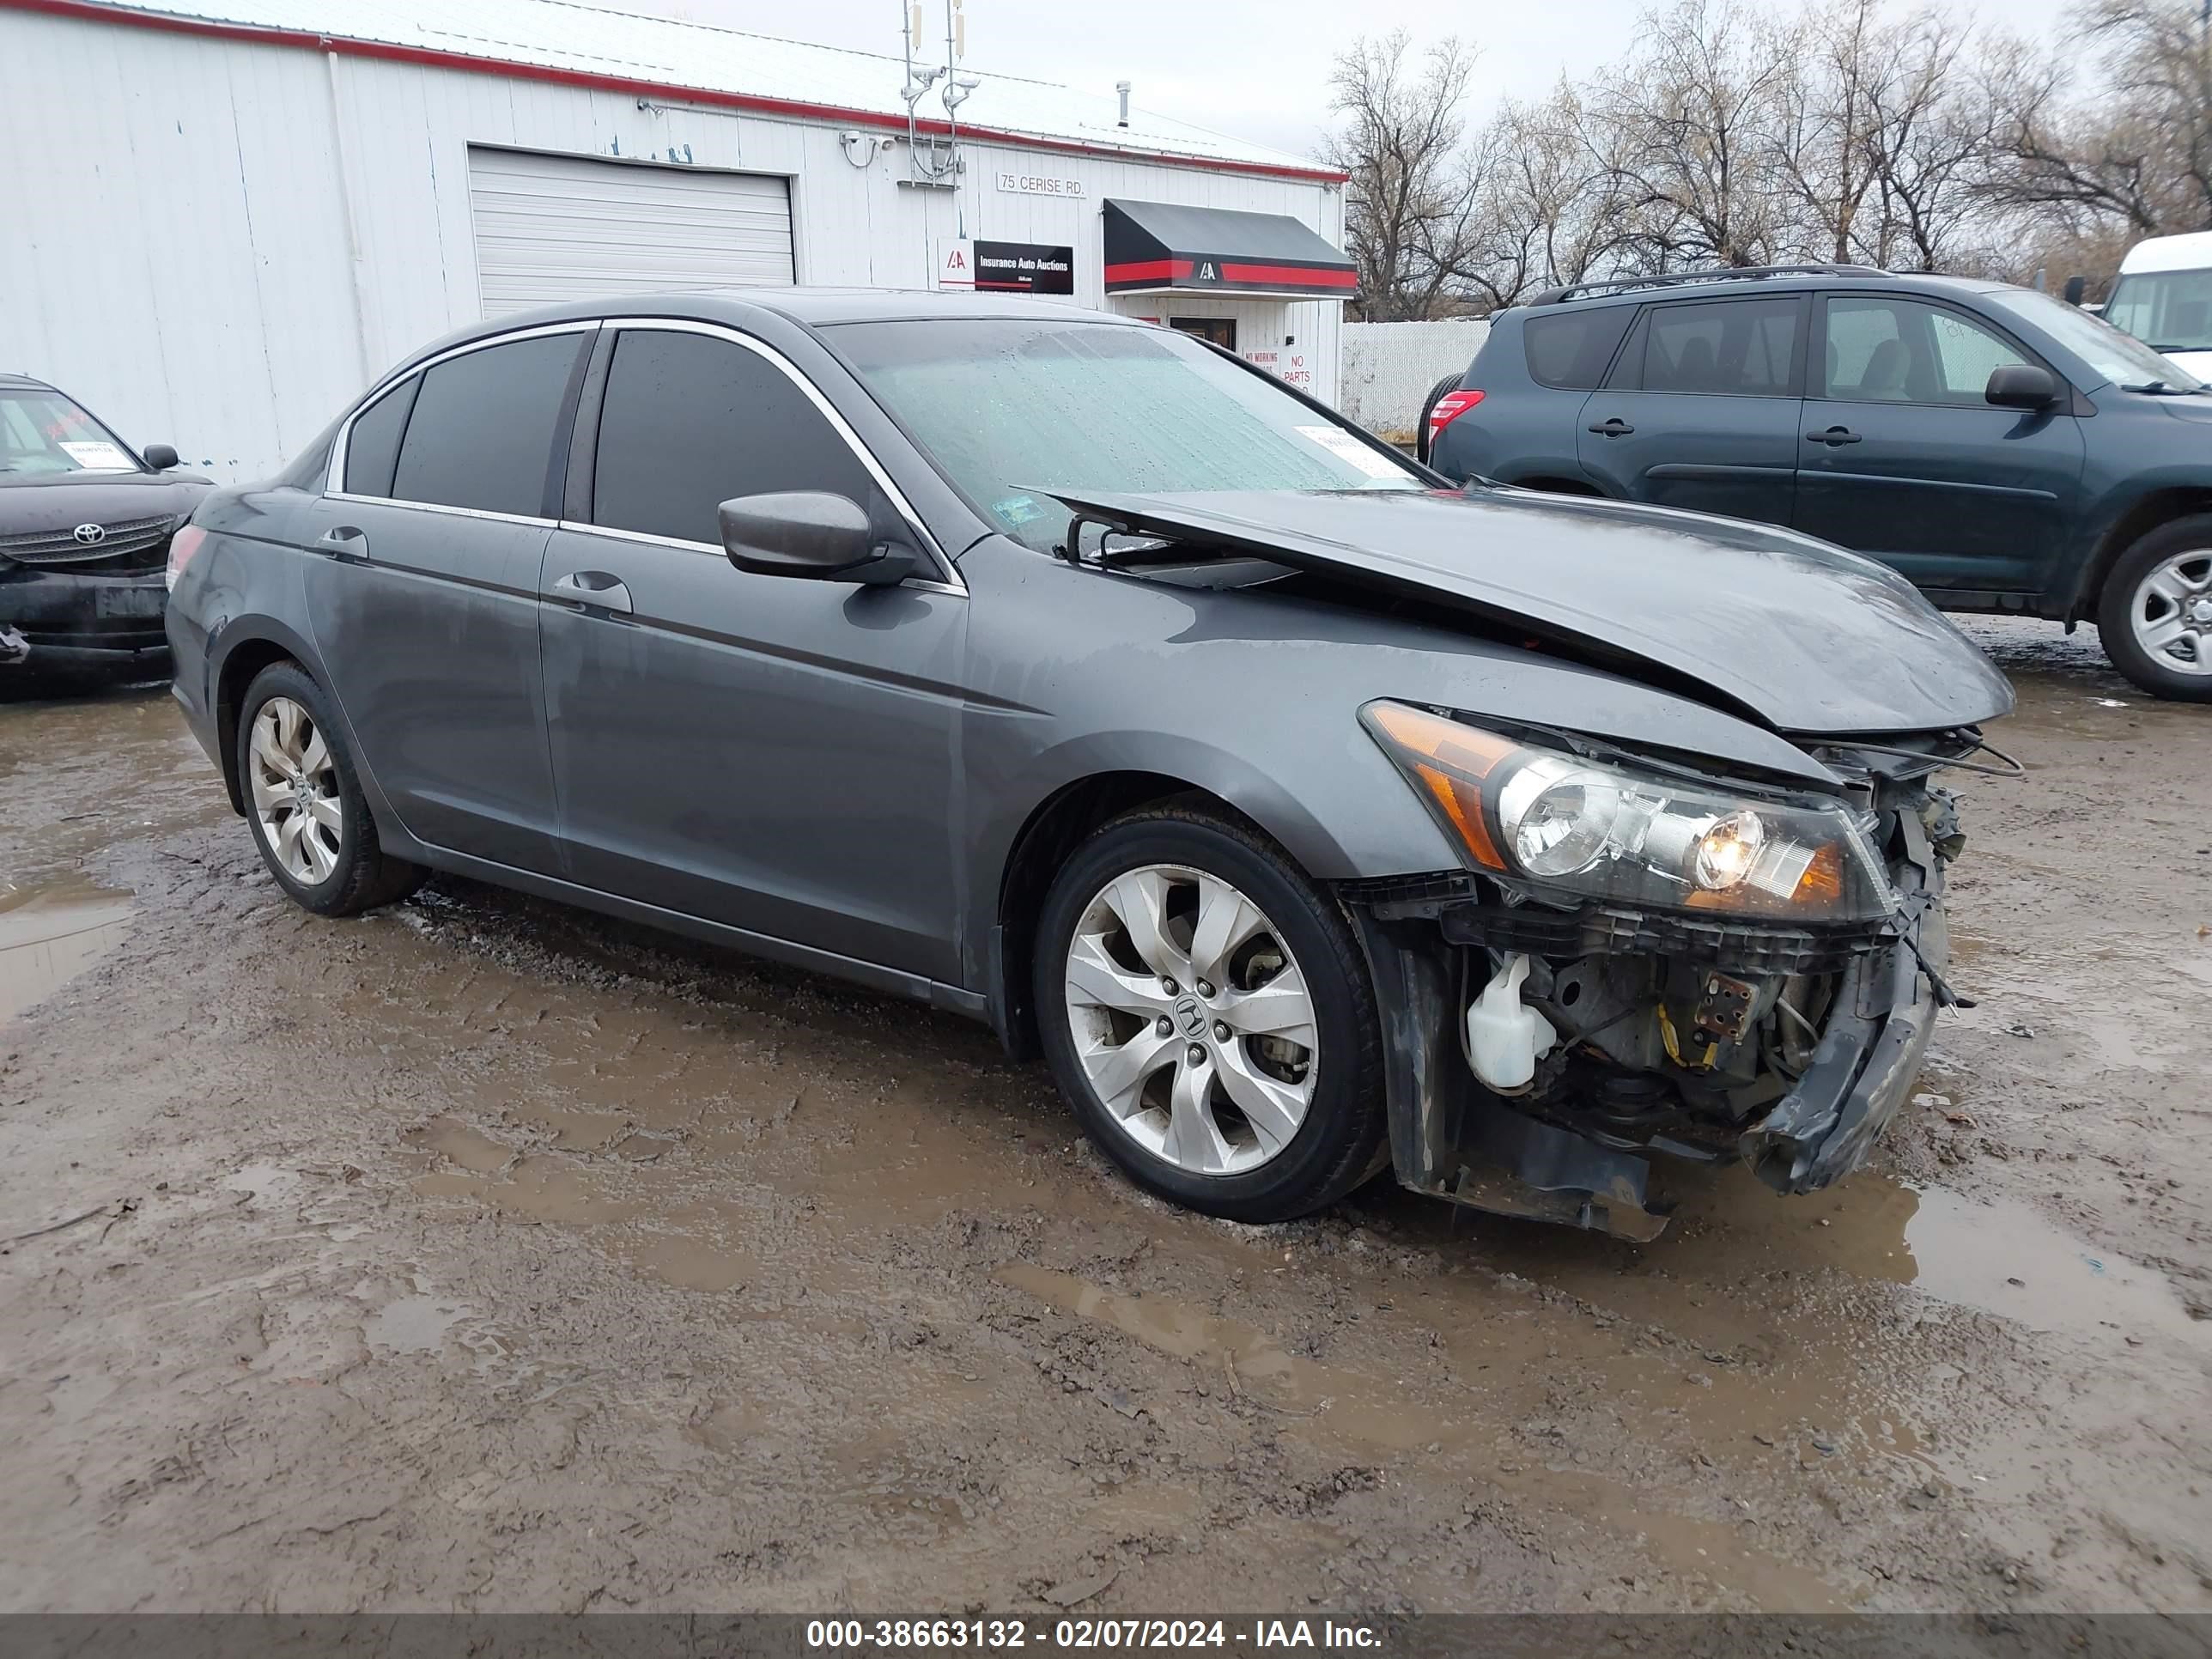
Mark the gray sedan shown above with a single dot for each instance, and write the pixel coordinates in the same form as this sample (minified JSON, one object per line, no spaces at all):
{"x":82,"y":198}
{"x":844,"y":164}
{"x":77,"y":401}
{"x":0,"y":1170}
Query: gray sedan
{"x":1309,"y":817}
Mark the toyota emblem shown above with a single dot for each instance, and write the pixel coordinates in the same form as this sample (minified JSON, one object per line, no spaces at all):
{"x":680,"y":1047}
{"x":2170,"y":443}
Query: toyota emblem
{"x":90,"y":535}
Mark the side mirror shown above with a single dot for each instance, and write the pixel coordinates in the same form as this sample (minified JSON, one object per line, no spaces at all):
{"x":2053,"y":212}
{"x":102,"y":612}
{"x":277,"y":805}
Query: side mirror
{"x":2076,"y":287}
{"x":2021,"y":386}
{"x":160,"y":457}
{"x":810,"y":533}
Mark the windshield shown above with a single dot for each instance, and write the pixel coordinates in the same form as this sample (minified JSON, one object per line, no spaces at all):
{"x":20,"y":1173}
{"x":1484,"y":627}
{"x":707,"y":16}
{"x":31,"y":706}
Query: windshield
{"x":2118,"y":357}
{"x":42,"y":433}
{"x":2168,"y":310}
{"x":1010,"y":410}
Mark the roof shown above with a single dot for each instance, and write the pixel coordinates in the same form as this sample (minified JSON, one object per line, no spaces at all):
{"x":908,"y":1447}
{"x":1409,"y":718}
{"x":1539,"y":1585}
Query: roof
{"x":741,"y":307}
{"x":2190,"y":252}
{"x":555,"y":39}
{"x":1786,"y":279}
{"x":1160,"y":247}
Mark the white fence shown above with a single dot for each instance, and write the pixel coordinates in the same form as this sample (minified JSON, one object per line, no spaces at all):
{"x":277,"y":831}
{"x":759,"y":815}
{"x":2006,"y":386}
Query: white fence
{"x":1388,"y":367}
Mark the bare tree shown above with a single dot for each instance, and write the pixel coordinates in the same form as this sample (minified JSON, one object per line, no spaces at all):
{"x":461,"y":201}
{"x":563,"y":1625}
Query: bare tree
{"x":2141,"y":152}
{"x":1689,"y":122}
{"x":1545,"y":212}
{"x":1412,"y":191}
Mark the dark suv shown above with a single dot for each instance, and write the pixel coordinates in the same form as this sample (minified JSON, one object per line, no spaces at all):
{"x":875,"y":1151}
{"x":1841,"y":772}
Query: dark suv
{"x":85,"y":526}
{"x":2003,"y":450}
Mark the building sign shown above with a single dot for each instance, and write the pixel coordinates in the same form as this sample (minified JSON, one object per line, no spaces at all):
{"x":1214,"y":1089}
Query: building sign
{"x":1035,"y":184}
{"x":1024,"y":267}
{"x":1297,"y":370}
{"x":1264,"y":357}
{"x":956,"y":262}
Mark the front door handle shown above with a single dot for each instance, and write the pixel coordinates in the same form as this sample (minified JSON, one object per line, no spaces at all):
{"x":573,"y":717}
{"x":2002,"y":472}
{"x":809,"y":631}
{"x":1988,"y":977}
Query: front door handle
{"x":1833,"y":436}
{"x":1614,"y":427}
{"x":595,"y":590}
{"x":343,"y":541}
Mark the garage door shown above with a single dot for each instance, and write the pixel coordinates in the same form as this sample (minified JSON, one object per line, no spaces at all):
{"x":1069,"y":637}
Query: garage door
{"x":554,"y":228}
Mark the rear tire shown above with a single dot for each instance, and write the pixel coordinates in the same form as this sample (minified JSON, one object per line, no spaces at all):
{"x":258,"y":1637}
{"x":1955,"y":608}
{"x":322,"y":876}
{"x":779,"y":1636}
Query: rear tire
{"x":1228,"y":1060}
{"x":1449,"y":383}
{"x":304,"y":801}
{"x":2154,"y":615}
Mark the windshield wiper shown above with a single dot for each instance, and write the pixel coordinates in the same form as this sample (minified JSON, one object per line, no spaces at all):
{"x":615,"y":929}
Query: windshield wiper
{"x":2157,"y":388}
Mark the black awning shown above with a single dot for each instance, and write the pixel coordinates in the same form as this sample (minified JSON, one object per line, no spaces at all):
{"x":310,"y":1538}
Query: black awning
{"x":1156,"y":248}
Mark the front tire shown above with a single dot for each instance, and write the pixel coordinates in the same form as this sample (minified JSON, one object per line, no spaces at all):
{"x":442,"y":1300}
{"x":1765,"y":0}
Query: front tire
{"x":304,"y":801}
{"x":2155,"y":615}
{"x":1207,"y":1012}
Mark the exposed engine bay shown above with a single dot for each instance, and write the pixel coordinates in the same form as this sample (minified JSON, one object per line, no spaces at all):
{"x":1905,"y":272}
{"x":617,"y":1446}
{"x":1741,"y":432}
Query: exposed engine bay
{"x":1586,"y":1038}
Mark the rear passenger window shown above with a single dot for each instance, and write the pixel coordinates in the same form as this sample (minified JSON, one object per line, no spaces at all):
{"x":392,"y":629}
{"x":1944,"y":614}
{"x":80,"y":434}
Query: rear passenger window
{"x":1571,"y":349}
{"x":372,"y":443}
{"x":690,"y":421}
{"x":480,"y":435}
{"x":1741,"y":348}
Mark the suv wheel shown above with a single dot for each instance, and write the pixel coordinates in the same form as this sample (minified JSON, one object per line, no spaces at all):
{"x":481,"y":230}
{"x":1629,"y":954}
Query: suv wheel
{"x":304,"y":800}
{"x":2155,"y":615}
{"x":1207,"y":1011}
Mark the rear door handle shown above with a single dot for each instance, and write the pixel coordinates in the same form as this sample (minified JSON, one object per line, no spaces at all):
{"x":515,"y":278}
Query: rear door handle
{"x":1834,"y":435}
{"x":343,"y":541}
{"x":1614,"y":428}
{"x":595,"y":590}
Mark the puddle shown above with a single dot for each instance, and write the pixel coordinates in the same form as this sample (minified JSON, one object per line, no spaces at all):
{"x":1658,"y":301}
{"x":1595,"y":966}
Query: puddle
{"x":1711,"y":1270}
{"x":412,"y":1324}
{"x":51,"y":933}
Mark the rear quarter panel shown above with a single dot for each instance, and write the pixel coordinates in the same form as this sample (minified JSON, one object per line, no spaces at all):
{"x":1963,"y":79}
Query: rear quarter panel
{"x":245,"y":591}
{"x":1520,"y":430}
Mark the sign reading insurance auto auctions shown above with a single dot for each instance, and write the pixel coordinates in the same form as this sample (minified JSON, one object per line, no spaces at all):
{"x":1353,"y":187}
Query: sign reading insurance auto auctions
{"x":1024,"y":267}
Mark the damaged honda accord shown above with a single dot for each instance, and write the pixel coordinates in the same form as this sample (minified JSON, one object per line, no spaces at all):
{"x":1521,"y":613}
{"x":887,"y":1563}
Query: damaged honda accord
{"x":1308,"y":817}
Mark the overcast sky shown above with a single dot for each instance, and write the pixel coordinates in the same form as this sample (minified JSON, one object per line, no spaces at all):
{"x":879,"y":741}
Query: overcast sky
{"x":1255,"y":69}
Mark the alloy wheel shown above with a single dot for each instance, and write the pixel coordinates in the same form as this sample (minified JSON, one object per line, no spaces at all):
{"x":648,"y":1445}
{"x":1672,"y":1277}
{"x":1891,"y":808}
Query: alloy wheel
{"x":2172,"y":613}
{"x":1192,"y":1020}
{"x":295,"y":786}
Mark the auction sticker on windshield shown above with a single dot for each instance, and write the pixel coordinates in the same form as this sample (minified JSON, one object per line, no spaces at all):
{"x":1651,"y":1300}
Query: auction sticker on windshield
{"x":96,"y":455}
{"x":1346,"y":447}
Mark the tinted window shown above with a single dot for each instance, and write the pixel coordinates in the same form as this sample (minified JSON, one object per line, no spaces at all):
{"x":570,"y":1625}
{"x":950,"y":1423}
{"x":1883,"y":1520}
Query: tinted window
{"x":372,"y":445}
{"x":1898,"y":351}
{"x":690,"y":422}
{"x":1572,"y":348}
{"x":482,"y":432}
{"x":1741,"y":348}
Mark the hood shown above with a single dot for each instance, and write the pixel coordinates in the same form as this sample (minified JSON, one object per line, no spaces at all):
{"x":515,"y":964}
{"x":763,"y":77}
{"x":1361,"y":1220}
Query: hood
{"x":62,"y":501}
{"x":1801,"y":635}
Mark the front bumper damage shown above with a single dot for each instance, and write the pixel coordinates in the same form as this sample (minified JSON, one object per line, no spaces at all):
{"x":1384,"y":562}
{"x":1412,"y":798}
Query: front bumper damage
{"x":1578,"y":1156}
{"x":71,"y":620}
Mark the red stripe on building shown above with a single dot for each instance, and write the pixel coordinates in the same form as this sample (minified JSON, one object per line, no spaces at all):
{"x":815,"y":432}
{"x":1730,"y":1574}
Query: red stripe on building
{"x":1148,"y":270}
{"x":1305,"y":275}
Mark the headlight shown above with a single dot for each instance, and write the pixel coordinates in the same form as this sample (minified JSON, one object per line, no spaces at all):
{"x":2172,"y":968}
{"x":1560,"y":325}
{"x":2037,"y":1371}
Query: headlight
{"x":1562,"y":822}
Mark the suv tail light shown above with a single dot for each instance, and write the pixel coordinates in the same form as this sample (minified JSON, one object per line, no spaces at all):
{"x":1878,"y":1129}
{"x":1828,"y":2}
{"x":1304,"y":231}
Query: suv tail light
{"x":182,"y":545}
{"x":1449,"y":408}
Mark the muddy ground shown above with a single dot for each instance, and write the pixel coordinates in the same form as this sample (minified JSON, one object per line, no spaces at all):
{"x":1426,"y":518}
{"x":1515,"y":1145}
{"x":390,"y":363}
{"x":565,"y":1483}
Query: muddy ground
{"x":483,"y":1255}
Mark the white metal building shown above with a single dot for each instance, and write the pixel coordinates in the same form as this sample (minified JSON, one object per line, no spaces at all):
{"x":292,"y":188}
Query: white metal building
{"x":223,"y":217}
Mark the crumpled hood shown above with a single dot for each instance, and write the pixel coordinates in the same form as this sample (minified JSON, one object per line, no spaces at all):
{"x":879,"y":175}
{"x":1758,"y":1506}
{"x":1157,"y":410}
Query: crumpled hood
{"x":1800,"y":634}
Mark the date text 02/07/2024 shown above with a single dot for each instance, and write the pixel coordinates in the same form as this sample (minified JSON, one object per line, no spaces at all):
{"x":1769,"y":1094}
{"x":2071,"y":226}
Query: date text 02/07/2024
{"x":1083,"y":1634}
